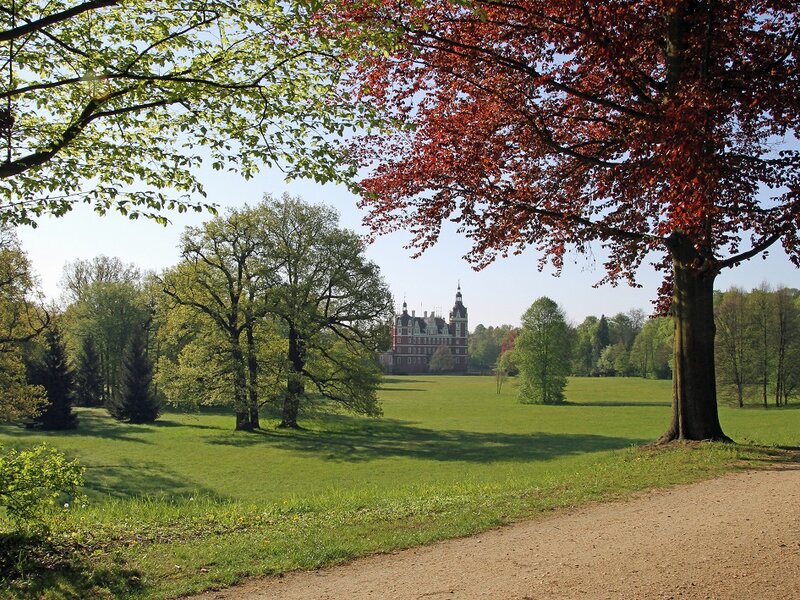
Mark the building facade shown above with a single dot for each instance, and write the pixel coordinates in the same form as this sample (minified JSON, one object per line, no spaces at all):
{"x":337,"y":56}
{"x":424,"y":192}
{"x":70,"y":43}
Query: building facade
{"x":415,"y":339}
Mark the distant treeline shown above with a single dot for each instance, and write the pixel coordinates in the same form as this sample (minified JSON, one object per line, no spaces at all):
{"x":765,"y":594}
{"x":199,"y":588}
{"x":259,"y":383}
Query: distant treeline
{"x":757,"y":345}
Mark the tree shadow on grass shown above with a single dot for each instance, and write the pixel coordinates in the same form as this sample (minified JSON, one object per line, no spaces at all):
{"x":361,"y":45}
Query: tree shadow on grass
{"x":91,"y":423}
{"x":350,"y":439}
{"x":613,"y":403}
{"x":137,"y":479}
{"x":95,"y":423}
{"x":33,"y":567}
{"x":386,"y":385}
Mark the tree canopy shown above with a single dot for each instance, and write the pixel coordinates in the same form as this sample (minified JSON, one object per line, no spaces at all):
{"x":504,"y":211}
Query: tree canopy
{"x":332,"y":303}
{"x":277,"y":293}
{"x":542,"y":353}
{"x":117,"y":104}
{"x":22,"y":318}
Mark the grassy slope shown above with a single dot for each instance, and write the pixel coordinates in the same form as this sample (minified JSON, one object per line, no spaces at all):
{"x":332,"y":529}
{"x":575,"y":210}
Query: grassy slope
{"x":448,"y":458}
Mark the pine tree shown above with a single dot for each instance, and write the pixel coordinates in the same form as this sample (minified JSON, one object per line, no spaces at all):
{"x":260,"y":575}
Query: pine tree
{"x":89,"y":376}
{"x":136,"y":401}
{"x":52,"y":372}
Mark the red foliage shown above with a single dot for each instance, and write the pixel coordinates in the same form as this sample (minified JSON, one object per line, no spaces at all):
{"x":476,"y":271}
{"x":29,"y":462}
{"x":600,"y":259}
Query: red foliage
{"x":509,"y":341}
{"x":554,"y":123}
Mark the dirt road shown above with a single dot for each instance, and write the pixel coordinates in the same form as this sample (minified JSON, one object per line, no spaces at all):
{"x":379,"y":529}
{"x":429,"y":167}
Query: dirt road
{"x":737,"y":536}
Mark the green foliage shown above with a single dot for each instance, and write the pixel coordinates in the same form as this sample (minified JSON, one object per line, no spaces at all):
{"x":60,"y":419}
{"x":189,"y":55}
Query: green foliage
{"x":49,"y":369}
{"x":108,"y":303}
{"x":22,"y":319}
{"x":651,"y":354}
{"x":276,"y":295}
{"x":136,"y":400}
{"x":441,"y":360}
{"x":542,"y":353}
{"x":34,"y":481}
{"x":88,"y":376}
{"x":485,"y":346}
{"x":614,"y":360}
{"x":135,"y":96}
{"x":331,"y":302}
{"x":584,"y":362}
{"x":193,"y":366}
{"x":18,"y":399}
{"x":758,"y":345}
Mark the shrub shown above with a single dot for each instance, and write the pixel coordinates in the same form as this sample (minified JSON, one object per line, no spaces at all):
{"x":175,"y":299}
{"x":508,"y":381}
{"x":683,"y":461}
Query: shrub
{"x":33,"y":481}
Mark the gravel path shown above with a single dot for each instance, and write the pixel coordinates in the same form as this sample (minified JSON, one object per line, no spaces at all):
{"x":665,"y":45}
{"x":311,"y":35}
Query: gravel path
{"x":737,"y":536}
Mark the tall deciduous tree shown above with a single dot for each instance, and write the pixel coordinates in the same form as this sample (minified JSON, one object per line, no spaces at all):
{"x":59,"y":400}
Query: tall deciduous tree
{"x":787,"y":360}
{"x":81,"y":274}
{"x":542,"y":353}
{"x":658,"y":129}
{"x":734,"y":348}
{"x":22,"y":318}
{"x":762,"y":311}
{"x":332,"y":303}
{"x":107,"y":304}
{"x":222,"y":278}
{"x":584,"y":362}
{"x":117,"y":103}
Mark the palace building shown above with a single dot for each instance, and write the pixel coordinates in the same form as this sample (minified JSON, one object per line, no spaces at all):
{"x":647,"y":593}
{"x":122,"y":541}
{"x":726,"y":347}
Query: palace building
{"x":416,"y":339}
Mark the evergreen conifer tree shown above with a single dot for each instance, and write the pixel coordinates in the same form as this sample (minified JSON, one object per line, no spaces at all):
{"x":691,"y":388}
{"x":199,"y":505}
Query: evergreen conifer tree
{"x":89,"y":376}
{"x":136,"y":401}
{"x":51,"y":371}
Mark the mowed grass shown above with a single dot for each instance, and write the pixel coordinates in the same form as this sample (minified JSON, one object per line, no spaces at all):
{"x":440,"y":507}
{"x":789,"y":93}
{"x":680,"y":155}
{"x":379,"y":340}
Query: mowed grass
{"x":187,"y":503}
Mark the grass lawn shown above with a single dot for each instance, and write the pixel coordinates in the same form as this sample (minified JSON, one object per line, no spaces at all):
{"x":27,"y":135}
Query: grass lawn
{"x":187,"y":503}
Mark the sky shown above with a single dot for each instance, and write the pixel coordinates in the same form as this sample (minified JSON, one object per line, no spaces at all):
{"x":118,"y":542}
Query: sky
{"x":496,"y":295}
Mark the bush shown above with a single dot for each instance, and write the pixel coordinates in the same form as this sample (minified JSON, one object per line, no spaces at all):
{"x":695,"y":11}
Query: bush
{"x":33,"y":481}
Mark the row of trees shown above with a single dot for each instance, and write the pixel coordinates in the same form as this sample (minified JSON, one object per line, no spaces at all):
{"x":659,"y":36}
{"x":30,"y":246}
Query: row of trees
{"x":757,"y":349}
{"x":626,"y":344}
{"x":271,"y":304}
{"x":40,"y":382}
{"x":758,"y":344}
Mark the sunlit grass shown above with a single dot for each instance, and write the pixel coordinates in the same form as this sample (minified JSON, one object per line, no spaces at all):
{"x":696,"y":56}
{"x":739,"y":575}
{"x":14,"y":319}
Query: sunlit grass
{"x":188,"y":503}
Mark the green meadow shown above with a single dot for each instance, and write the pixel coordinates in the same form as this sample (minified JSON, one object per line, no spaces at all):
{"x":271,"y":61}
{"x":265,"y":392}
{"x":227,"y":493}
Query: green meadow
{"x":187,"y":504}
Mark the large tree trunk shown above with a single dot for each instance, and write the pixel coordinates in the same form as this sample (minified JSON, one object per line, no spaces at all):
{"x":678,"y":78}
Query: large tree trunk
{"x":694,"y":391}
{"x":243,"y":417}
{"x":252,"y":381}
{"x":294,"y":385}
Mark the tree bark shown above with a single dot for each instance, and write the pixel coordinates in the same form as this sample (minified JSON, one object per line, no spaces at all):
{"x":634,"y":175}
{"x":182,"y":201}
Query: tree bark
{"x":243,"y":417}
{"x":694,"y":391}
{"x":252,"y":381}
{"x":294,"y":385}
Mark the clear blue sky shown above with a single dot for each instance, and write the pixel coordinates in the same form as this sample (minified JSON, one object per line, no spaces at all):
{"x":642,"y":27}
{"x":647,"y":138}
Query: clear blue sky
{"x":498,"y":294}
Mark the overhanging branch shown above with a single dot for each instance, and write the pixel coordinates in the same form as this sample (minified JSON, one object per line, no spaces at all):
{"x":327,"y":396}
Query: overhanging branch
{"x":59,"y":17}
{"x":755,"y":250}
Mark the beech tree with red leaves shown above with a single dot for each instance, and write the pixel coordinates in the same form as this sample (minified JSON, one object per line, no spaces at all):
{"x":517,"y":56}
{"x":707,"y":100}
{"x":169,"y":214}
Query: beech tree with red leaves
{"x":663,"y":128}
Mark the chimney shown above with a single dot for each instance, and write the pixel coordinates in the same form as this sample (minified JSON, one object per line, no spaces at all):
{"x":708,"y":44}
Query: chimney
{"x":413,"y":313}
{"x":426,"y":314}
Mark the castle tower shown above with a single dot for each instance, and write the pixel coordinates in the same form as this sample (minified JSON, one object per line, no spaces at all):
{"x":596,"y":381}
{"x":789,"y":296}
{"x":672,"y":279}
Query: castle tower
{"x":458,"y":330}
